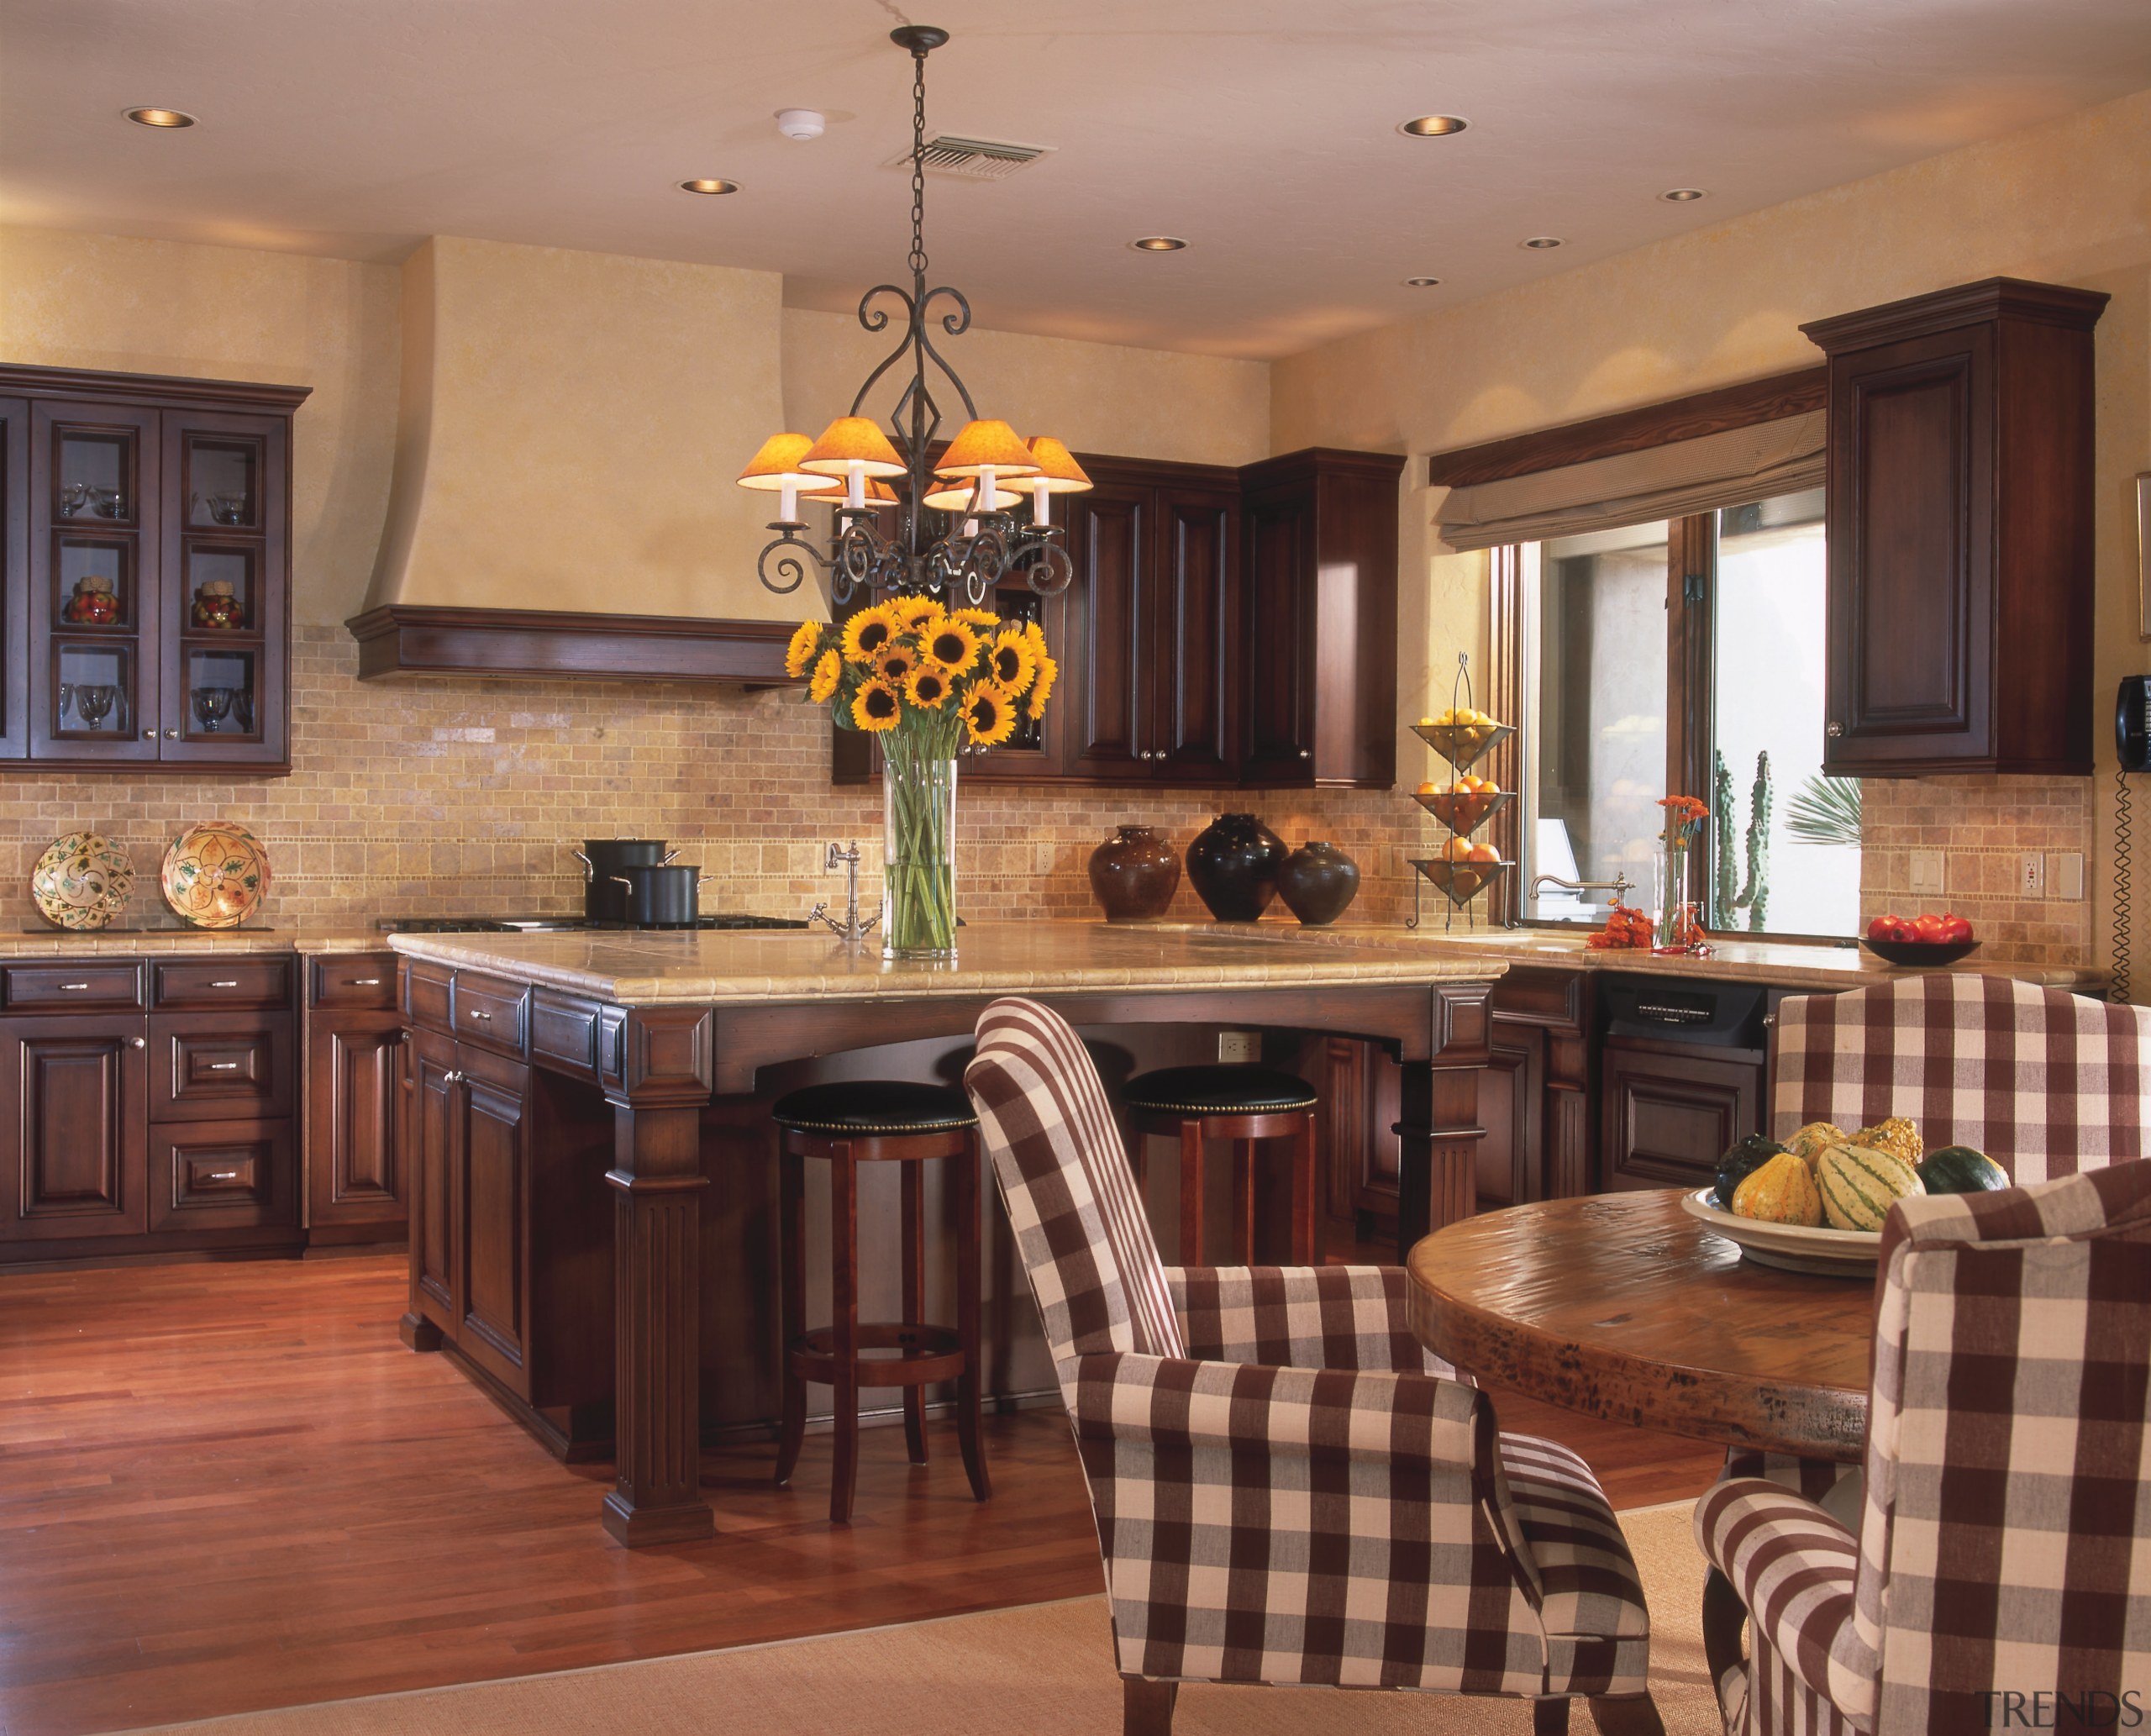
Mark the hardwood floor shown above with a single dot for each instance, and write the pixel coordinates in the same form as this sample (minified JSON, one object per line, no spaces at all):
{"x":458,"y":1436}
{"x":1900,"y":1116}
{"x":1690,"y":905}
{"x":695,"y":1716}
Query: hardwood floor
{"x":227,"y":1487}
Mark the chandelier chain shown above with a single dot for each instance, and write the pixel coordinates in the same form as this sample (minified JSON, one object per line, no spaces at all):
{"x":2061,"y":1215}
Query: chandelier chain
{"x":918,"y":167}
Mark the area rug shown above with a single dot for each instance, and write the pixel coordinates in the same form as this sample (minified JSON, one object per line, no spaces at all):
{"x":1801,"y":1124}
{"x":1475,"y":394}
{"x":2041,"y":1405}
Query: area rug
{"x":1044,"y":1669}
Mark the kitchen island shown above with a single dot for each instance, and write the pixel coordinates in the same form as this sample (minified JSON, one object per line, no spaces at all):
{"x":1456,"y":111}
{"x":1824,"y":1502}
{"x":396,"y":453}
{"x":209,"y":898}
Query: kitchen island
{"x":541,"y":1059}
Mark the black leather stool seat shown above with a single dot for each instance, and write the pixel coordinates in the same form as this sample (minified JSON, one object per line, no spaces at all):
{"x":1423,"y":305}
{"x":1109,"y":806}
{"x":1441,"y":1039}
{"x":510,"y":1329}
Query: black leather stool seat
{"x":1218,"y":1091}
{"x":871,"y":1107}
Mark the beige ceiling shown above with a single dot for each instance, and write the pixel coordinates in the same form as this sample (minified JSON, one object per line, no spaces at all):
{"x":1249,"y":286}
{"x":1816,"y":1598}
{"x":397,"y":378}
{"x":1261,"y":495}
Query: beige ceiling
{"x":1262,"y":130}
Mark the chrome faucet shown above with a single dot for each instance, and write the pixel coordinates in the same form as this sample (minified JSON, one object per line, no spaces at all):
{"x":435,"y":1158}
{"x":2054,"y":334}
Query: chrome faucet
{"x":850,"y":929}
{"x":1620,"y":885}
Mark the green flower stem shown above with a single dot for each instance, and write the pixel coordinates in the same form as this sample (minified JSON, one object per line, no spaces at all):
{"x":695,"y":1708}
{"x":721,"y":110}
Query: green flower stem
{"x":918,"y":792}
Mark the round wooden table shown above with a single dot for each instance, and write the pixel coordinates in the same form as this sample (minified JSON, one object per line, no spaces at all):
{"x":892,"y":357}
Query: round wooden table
{"x":1623,"y":1307}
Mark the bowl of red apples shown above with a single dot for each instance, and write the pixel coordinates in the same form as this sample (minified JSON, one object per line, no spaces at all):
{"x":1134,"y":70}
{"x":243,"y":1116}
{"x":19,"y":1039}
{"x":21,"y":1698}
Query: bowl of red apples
{"x":1929,"y":941}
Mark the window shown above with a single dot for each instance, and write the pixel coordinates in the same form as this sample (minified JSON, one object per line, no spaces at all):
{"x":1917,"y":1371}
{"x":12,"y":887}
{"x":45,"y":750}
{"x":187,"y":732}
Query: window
{"x":1684,"y":655}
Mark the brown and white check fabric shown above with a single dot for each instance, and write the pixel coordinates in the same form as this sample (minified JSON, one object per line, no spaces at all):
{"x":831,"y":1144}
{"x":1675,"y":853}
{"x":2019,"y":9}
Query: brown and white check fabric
{"x":2045,"y":1083}
{"x":1287,"y":1489}
{"x":2002,"y":1545}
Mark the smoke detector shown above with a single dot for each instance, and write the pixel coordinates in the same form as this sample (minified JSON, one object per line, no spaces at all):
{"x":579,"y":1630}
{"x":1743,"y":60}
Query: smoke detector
{"x":973,"y":159}
{"x":800,"y":123}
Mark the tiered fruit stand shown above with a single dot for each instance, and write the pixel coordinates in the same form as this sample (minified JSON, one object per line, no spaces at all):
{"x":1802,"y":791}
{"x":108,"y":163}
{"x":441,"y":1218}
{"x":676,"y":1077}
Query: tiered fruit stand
{"x":1464,"y":744}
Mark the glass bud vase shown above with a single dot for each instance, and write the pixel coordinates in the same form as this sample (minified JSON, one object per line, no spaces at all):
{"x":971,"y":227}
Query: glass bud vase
{"x":1675,"y":917}
{"x":918,"y":874}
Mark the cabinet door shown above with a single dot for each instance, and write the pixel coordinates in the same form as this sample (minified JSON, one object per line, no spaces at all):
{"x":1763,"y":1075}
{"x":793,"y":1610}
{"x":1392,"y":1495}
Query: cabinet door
{"x":1512,"y":1103}
{"x":221,"y":679}
{"x":1280,"y":527}
{"x":74,"y":1108}
{"x":1911,"y":578}
{"x":14,"y":577}
{"x":1194,"y":736}
{"x":355,"y":1125}
{"x":1038,"y":750}
{"x":434,"y":1190}
{"x":494,"y":1245}
{"x":1108,"y":690}
{"x":1671,"y":1110}
{"x":95,"y":585}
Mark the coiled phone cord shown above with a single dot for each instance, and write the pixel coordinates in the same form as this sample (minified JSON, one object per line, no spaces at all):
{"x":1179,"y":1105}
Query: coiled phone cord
{"x":2117,"y":986}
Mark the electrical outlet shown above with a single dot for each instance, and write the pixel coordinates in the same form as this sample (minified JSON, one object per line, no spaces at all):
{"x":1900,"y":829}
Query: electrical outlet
{"x":2065,"y":874}
{"x":1928,"y":872}
{"x":2032,"y":875}
{"x":1239,"y":1046}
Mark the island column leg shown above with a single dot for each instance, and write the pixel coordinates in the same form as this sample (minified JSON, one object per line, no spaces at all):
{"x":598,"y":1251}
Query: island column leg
{"x":657,"y":1312}
{"x":1438,"y":1124}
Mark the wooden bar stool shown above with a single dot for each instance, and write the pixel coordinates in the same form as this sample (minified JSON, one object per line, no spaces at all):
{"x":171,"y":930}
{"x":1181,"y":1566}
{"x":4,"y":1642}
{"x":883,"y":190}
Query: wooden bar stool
{"x":848,"y":1123}
{"x":1242,"y":1104}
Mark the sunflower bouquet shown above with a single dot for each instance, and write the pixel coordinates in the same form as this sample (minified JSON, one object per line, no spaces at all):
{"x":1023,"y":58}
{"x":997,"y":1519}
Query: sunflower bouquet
{"x":929,"y":681}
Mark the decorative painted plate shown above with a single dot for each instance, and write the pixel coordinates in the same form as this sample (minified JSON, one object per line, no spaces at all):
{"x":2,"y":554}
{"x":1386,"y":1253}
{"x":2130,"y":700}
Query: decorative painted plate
{"x":1790,"y":1247}
{"x":215,"y":873}
{"x":81,"y":881}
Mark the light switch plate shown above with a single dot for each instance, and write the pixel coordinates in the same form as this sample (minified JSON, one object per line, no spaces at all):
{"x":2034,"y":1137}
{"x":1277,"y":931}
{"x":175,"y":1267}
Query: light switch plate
{"x":2065,"y":874}
{"x":1928,"y":871}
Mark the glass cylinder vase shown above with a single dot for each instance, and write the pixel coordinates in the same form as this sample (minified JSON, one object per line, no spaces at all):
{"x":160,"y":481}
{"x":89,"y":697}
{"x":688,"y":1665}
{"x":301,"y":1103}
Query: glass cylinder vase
{"x":1677,"y":927}
{"x":918,"y":845}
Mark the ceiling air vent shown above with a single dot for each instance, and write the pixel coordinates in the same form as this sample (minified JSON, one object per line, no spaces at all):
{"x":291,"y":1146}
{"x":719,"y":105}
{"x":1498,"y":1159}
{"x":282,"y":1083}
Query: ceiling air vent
{"x":974,"y":159}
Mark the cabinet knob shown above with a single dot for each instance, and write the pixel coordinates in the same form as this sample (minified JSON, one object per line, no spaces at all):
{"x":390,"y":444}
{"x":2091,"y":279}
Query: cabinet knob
{"x":1834,"y":731}
{"x":141,"y":1042}
{"x":149,"y":735}
{"x":171,"y":735}
{"x":1307,"y":752}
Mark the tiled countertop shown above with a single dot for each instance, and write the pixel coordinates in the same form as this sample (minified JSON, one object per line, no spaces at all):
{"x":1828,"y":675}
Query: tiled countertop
{"x":165,"y":942}
{"x":993,"y":958}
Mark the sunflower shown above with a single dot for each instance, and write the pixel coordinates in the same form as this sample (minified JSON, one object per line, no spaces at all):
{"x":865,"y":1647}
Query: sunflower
{"x":877,"y":706}
{"x":989,"y":715}
{"x":951,"y":644}
{"x":1012,"y":660}
{"x":912,"y":613}
{"x":867,"y":631}
{"x":929,"y":689}
{"x":800,"y":653}
{"x":1036,"y":634}
{"x":1049,"y":672}
{"x":827,"y":674}
{"x":895,"y":661}
{"x":985,"y":620}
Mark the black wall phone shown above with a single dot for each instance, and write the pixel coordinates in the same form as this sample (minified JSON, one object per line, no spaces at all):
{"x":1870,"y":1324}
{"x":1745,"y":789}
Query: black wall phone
{"x":2132,"y":723}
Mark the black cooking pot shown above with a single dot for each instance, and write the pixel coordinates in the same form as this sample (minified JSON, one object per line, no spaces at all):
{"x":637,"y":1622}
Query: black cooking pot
{"x":660,"y":895}
{"x":603,"y":901}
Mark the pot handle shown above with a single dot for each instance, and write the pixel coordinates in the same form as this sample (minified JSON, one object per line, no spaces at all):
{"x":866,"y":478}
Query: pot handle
{"x":621,"y":880}
{"x":700,"y":878}
{"x":669,"y":856}
{"x":589,"y":867}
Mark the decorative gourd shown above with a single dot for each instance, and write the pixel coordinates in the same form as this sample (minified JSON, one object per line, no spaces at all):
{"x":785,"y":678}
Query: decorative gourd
{"x":1859,"y":1184}
{"x":1780,"y":1192}
{"x":1811,"y":1141}
{"x":1741,"y":1162}
{"x":1959,"y":1168}
{"x":1897,"y":1136}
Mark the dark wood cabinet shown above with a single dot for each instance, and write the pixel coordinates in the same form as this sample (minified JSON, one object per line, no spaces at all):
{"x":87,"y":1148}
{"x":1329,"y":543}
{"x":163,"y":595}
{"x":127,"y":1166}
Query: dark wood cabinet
{"x":74,"y":1108}
{"x":1959,"y":520}
{"x":1320,"y":680}
{"x":146,"y":526}
{"x":357,"y":1119}
{"x":1669,"y":1111}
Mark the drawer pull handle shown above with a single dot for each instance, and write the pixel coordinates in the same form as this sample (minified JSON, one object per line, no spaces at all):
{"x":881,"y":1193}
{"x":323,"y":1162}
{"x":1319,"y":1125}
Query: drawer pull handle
{"x":362,"y":982}
{"x":224,"y":985}
{"x":476,"y":1013}
{"x":223,"y":1066}
{"x":223,"y":1175}
{"x":74,"y":987}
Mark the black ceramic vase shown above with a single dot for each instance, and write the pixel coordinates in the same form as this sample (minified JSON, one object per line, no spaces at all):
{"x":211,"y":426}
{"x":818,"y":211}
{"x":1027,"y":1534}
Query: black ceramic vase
{"x":1232,"y":864}
{"x":1318,"y":883}
{"x":1133,"y":875}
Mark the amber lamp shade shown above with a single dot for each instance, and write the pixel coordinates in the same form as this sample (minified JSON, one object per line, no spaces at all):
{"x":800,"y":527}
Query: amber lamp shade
{"x":878,"y":494}
{"x":778,"y":463}
{"x":986,"y":445}
{"x":1058,"y":472}
{"x":852,"y":441}
{"x":962,"y":497}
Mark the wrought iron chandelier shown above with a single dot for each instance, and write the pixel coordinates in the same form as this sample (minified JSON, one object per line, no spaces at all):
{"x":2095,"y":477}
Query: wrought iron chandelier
{"x":954,"y":533}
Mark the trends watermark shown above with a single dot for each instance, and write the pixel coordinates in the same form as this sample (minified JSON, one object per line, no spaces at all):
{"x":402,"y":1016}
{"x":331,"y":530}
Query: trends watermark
{"x":2057,"y":1709}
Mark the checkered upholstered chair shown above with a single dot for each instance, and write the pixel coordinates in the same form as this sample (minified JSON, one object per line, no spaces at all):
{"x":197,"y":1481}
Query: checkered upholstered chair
{"x":1287,"y":1489}
{"x":2003,"y":1547}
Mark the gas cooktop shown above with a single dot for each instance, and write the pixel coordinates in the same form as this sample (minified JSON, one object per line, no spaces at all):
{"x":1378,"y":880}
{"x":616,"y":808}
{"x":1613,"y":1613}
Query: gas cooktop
{"x":554,"y":924}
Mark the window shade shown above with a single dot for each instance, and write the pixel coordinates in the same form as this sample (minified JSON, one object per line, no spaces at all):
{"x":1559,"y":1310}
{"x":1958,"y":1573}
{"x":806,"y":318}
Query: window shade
{"x":1721,"y":470}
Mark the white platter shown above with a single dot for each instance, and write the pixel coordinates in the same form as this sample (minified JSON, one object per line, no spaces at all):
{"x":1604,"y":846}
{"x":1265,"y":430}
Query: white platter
{"x":1790,"y":1247}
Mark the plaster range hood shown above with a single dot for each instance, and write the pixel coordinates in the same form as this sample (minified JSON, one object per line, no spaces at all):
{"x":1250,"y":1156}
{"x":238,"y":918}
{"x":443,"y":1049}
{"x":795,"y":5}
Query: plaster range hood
{"x":562,"y":505}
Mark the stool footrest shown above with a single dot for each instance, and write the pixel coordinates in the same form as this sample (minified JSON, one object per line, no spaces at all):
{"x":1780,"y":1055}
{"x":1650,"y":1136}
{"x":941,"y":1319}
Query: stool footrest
{"x":929,"y":1353}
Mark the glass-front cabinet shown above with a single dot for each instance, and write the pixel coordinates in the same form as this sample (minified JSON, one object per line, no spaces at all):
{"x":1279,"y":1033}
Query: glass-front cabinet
{"x":146,"y":527}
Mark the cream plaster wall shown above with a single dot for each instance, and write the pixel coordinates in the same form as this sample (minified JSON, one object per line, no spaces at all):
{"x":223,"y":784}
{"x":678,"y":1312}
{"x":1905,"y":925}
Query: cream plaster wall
{"x":1096,"y":398}
{"x":570,"y":426}
{"x":131,"y":305}
{"x":2067,"y":203}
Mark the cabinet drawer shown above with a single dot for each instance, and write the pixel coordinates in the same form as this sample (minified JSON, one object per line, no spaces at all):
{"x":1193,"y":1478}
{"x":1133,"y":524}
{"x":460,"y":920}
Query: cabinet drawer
{"x":427,"y":992}
{"x":225,"y":1174}
{"x":221,"y":982}
{"x":492,"y":1011}
{"x":205,"y":1066}
{"x":366,"y":979}
{"x":72,"y":988}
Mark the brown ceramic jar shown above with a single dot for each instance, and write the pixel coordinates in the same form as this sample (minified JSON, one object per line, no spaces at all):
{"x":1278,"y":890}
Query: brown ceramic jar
{"x":1318,"y":883}
{"x":1133,"y":875}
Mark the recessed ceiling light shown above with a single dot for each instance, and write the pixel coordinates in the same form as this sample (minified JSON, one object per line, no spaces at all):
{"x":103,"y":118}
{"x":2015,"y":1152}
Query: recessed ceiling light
{"x":1683,"y":195}
{"x":1432,"y":126}
{"x":709,"y":186}
{"x":160,"y":116}
{"x":1540,"y":244}
{"x":1421,"y":282}
{"x":1158,"y":244}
